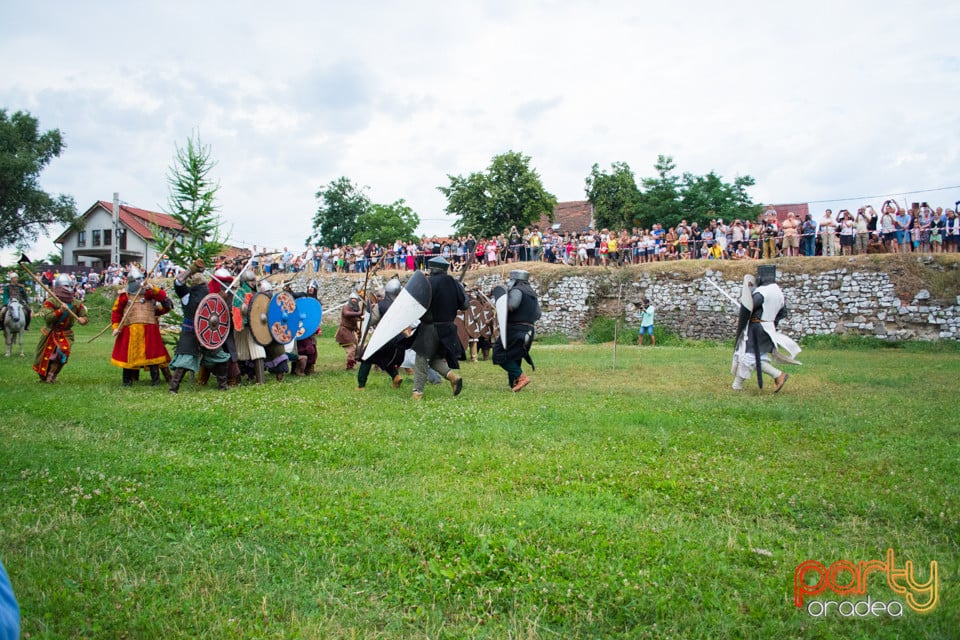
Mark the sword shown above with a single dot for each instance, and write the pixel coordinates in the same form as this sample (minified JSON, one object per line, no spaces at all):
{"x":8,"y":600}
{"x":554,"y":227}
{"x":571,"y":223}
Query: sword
{"x":727,"y":295}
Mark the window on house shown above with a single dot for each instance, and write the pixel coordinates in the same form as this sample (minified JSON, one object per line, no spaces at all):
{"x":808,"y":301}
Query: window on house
{"x":122,"y":238}
{"x":81,"y":238}
{"x":95,"y":238}
{"x":107,"y":237}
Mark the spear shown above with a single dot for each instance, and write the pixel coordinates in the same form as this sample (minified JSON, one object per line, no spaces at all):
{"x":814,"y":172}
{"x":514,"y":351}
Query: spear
{"x":23,"y":262}
{"x":136,"y":296}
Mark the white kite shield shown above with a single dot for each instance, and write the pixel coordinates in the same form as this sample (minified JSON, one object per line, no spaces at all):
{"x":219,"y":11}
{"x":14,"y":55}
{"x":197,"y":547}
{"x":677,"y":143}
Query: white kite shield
{"x":410,"y":305}
{"x":500,"y":298}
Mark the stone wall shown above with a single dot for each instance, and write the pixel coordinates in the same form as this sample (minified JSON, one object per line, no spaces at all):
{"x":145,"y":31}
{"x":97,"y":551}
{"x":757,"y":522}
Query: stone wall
{"x":842,"y":296}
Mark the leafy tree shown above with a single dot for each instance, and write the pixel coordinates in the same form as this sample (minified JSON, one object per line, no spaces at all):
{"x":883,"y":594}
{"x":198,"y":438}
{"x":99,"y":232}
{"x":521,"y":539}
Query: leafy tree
{"x":509,"y":193}
{"x":25,"y":209}
{"x":337,"y":219}
{"x":191,"y":203}
{"x":615,"y":196}
{"x":706,"y":197}
{"x":385,"y":223}
{"x":661,"y":198}
{"x":54,"y":257}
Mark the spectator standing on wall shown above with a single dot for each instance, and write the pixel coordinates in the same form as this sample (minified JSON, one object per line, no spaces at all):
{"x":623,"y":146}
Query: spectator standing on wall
{"x":828,"y":237}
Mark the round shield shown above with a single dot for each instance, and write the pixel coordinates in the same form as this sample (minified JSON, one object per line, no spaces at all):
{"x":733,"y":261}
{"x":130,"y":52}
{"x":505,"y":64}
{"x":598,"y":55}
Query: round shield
{"x":309,"y":313}
{"x":281,"y":317}
{"x":257,"y":319}
{"x":212,"y":321}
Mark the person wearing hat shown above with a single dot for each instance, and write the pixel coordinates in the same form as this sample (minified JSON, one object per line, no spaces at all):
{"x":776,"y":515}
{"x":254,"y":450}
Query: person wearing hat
{"x":348,"y":335}
{"x":437,"y":343}
{"x":136,"y":330}
{"x":13,"y":290}
{"x":523,"y":310}
{"x":58,"y":312}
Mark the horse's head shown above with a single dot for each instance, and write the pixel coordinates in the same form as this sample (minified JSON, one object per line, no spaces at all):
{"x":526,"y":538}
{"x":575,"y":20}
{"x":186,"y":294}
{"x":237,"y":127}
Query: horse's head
{"x":14,"y":312}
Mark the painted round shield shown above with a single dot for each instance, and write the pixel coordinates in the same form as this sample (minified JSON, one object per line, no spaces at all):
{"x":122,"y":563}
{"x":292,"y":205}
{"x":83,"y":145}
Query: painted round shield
{"x":212,"y":321}
{"x":282,"y":317}
{"x":257,"y":319}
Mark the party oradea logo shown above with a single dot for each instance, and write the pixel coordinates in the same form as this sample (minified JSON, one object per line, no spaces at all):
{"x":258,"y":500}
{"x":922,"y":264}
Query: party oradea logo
{"x":844,"y":578}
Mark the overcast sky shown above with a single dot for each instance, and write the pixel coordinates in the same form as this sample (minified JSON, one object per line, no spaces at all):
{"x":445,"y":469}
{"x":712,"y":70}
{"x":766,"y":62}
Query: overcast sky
{"x":815,"y":100}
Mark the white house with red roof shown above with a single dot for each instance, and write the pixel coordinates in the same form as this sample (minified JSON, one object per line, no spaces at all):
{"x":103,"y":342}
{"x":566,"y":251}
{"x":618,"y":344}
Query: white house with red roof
{"x":96,"y":243}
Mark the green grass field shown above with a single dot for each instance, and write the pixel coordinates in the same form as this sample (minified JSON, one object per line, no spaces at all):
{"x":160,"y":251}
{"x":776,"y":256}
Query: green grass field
{"x":643,"y":501}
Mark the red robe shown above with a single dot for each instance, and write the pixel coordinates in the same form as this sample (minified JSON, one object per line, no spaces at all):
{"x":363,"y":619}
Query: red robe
{"x":139,"y":344}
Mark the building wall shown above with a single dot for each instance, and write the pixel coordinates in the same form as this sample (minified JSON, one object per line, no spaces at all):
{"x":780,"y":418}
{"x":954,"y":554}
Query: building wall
{"x":98,"y":221}
{"x":845,"y":299}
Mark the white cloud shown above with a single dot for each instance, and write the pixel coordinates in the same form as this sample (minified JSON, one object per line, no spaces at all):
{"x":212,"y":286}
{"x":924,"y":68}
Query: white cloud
{"x":815,"y":101}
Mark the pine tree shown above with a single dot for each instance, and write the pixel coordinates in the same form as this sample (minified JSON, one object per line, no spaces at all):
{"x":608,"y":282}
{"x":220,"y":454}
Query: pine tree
{"x":191,"y":203}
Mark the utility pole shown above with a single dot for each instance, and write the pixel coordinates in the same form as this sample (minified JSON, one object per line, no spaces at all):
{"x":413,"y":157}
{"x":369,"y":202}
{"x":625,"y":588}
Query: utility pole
{"x":115,"y":249}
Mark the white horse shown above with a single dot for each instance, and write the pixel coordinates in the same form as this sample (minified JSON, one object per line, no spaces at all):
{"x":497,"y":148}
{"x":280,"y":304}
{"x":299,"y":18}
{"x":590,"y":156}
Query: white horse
{"x":13,"y":324}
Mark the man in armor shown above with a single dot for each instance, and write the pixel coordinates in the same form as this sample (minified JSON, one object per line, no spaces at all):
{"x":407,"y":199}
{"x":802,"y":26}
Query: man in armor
{"x":13,"y":290}
{"x":437,"y":344}
{"x":56,"y":337}
{"x":277,"y":359}
{"x":523,"y":310}
{"x":249,"y":354}
{"x":136,"y":330}
{"x":189,"y":355}
{"x":221,"y":281}
{"x":307,"y":347}
{"x":348,"y":335}
{"x":389,"y":357}
{"x":758,"y":340}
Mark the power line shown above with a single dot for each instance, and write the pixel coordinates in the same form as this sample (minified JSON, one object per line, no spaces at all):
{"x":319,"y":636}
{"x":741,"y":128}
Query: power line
{"x":882,"y":195}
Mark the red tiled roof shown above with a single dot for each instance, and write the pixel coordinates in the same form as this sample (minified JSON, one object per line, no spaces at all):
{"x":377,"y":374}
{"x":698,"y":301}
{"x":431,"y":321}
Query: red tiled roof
{"x":137,"y":220}
{"x":783,"y":209}
{"x":140,"y":220}
{"x":573,"y":216}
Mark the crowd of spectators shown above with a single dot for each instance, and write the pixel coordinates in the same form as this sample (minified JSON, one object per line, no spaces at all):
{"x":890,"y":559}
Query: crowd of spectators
{"x":919,"y":229}
{"x":894,"y":230}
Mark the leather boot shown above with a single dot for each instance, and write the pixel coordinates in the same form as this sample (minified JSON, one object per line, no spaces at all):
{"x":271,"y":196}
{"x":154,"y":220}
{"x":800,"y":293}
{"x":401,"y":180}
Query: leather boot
{"x":175,"y":379}
{"x":166,"y":374}
{"x":223,"y":383}
{"x":203,"y":375}
{"x":522,"y":381}
{"x":473,"y":352}
{"x":300,"y":366}
{"x":154,"y":375}
{"x":456,"y":382}
{"x":127,"y":377}
{"x":397,"y":381}
{"x":52,"y":370}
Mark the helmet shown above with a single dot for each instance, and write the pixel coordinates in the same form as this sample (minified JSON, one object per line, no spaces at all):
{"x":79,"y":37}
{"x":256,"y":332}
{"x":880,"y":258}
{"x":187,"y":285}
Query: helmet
{"x":134,"y":274}
{"x":247,"y":276}
{"x":392,"y":287}
{"x":265,"y":286}
{"x":438,"y":264}
{"x":222,"y":273}
{"x":62,"y":280}
{"x":520,"y":275}
{"x":313,"y":284}
{"x":13,"y":275}
{"x":354,"y":295}
{"x":134,"y":284}
{"x":766,"y":274}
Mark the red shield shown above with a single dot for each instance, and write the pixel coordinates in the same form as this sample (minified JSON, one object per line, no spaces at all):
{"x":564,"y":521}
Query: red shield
{"x":212,"y":321}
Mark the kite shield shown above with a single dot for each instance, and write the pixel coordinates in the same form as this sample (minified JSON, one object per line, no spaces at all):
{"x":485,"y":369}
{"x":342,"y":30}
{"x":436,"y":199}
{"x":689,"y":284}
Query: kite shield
{"x":500,"y":304}
{"x":411,"y":303}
